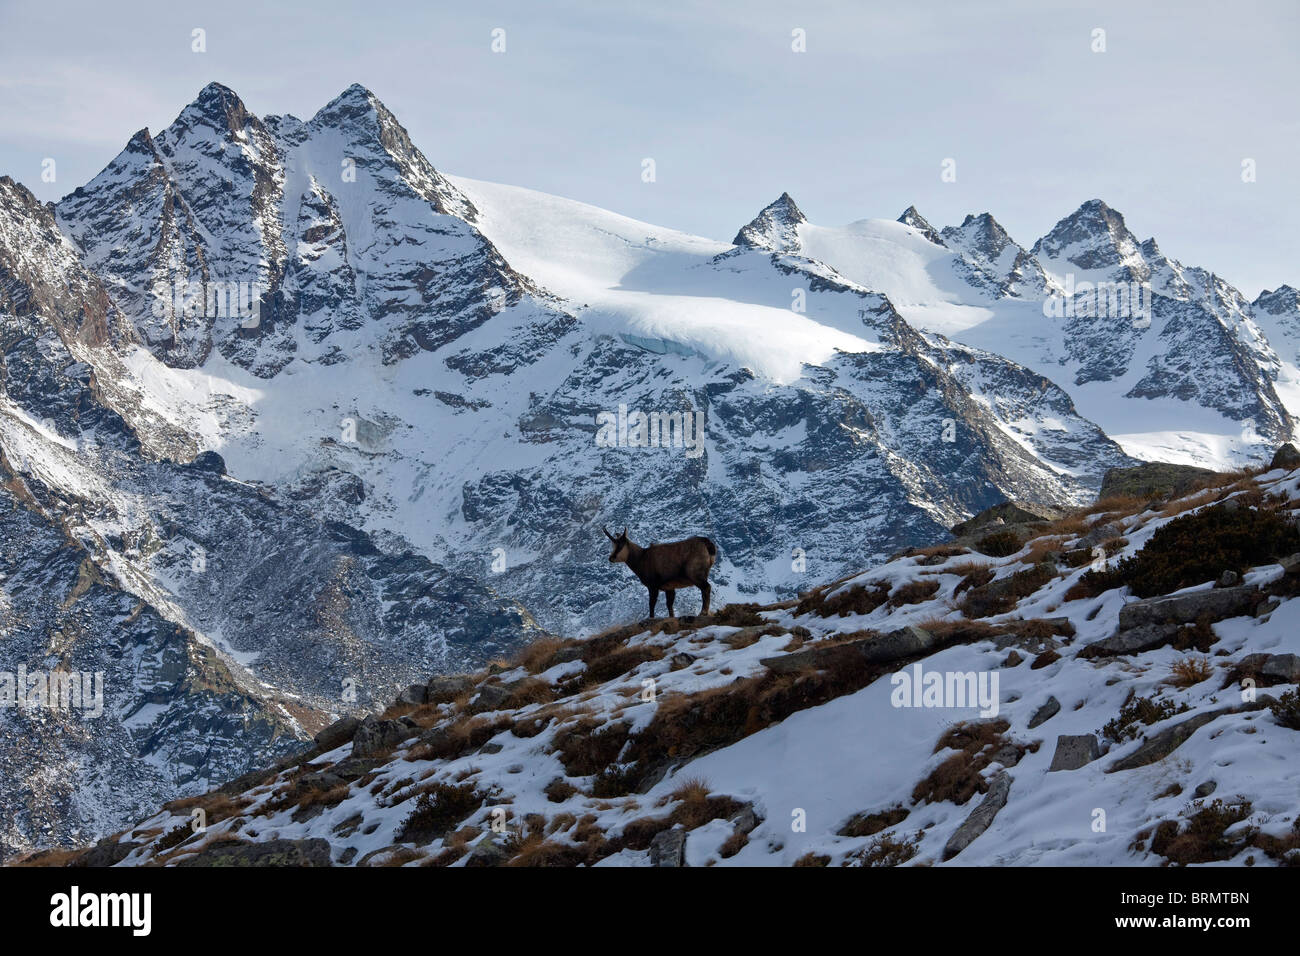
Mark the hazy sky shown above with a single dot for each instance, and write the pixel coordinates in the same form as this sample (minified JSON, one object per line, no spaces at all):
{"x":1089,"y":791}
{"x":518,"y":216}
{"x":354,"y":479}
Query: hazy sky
{"x":857,"y":126}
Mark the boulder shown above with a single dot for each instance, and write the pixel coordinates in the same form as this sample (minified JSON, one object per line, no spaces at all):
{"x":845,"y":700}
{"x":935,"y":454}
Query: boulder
{"x":1074,"y":751}
{"x":1218,"y":603}
{"x":487,"y":852}
{"x":1099,"y":533}
{"x":1155,"y":479}
{"x":1132,"y":641}
{"x":1284,"y":668}
{"x":1045,"y":713}
{"x":376,"y":736}
{"x":416,"y":694}
{"x":1205,"y":789}
{"x":1287,"y":457}
{"x":446,"y":688}
{"x":337,"y":733}
{"x":489,"y":697}
{"x":981,"y":817}
{"x":1006,"y":514}
{"x":668,"y":847}
{"x":107,"y":852}
{"x":1151,"y":623}
{"x":1228,"y":579}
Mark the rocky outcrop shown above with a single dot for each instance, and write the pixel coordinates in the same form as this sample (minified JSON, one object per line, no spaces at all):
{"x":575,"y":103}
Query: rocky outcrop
{"x":1153,"y":622}
{"x":1165,"y":742}
{"x":875,"y":649}
{"x":337,"y":733}
{"x":1155,"y":479}
{"x":377,"y":736}
{"x":295,"y":853}
{"x":1288,"y":457}
{"x":996,"y":518}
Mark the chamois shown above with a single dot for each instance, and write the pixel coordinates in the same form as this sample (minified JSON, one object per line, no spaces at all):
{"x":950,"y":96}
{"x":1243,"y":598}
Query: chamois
{"x":667,"y":567}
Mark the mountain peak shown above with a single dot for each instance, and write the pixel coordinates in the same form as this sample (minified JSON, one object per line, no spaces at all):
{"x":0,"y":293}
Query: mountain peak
{"x":1284,"y":299}
{"x":912,"y":217}
{"x":1094,"y":236}
{"x":980,"y":235}
{"x":775,"y":228}
{"x":217,"y":107}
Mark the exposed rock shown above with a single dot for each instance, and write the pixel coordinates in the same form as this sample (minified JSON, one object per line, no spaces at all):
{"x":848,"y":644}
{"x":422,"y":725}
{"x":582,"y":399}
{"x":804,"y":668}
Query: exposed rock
{"x":668,"y":848}
{"x":1008,"y":755}
{"x":354,"y":768}
{"x":107,"y":852}
{"x":1045,"y":713}
{"x":446,"y":688}
{"x":1099,"y":533}
{"x":1074,"y":751}
{"x":489,"y":697}
{"x":1205,"y":789}
{"x":1155,"y":479}
{"x":682,"y":660}
{"x":1170,"y":739}
{"x":377,"y":736}
{"x":1013,"y":660}
{"x":1005,"y":514}
{"x":1151,"y":623}
{"x":213,"y":463}
{"x":875,"y":649}
{"x":416,"y":694}
{"x":1282,"y":667}
{"x":1228,"y":579}
{"x":981,"y":817}
{"x":337,"y":733}
{"x":745,"y":819}
{"x":1288,"y":457}
{"x":1219,"y":603}
{"x":1132,"y":641}
{"x":487,"y":852}
{"x":313,"y":852}
{"x":567,"y":655}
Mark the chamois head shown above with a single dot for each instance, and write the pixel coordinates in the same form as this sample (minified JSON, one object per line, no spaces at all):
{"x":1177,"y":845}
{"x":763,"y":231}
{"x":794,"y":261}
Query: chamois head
{"x":620,"y":552}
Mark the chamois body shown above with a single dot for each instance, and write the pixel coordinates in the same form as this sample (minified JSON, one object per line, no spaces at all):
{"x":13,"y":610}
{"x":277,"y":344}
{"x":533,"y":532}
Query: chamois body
{"x":667,"y":567}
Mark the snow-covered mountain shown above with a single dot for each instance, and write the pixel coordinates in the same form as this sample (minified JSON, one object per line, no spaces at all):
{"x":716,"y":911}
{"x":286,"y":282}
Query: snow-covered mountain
{"x":366,"y":398}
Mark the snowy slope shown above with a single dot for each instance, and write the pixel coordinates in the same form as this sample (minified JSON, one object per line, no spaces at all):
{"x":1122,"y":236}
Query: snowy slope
{"x":572,"y":760}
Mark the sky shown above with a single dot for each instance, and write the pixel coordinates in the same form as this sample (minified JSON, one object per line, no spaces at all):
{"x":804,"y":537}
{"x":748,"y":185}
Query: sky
{"x":1035,"y":117}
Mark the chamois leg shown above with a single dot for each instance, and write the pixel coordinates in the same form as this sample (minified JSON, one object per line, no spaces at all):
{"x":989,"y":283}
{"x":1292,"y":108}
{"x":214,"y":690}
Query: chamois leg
{"x":670,"y":596}
{"x":705,"y":591}
{"x":654,"y":599}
